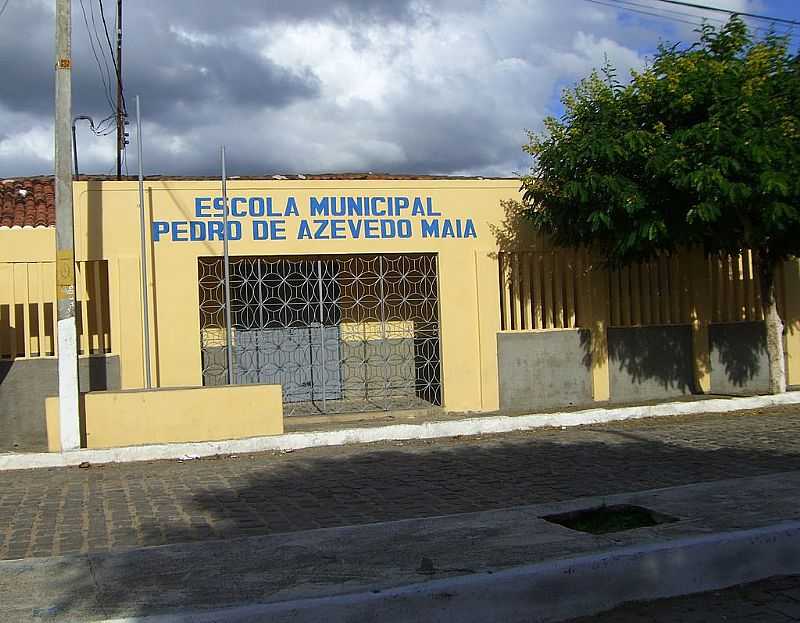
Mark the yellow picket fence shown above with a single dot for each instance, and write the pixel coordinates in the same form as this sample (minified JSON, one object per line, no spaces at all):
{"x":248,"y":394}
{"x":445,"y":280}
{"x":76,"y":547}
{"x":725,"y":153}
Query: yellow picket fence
{"x":541,"y":290}
{"x":545,"y":290}
{"x":28,"y":324}
{"x":735,"y":294}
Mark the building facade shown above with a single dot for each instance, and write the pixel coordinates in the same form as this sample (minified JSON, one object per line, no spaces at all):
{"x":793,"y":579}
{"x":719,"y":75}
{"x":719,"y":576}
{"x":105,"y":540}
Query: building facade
{"x":363,"y":294}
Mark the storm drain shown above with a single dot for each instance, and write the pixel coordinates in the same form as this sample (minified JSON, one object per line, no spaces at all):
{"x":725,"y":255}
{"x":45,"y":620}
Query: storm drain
{"x":606,"y":519}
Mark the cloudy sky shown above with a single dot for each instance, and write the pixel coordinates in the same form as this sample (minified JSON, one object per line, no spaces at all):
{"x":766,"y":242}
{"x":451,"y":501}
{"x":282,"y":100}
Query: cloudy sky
{"x":304,"y":86}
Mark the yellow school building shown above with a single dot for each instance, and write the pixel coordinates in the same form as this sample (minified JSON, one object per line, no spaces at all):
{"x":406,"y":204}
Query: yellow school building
{"x":349,"y":294}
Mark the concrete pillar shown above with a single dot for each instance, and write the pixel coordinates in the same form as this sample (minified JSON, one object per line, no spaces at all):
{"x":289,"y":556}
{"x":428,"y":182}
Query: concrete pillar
{"x":700,"y":317}
{"x":598,"y":317}
{"x":488,"y":313}
{"x":126,"y":321}
{"x":791,"y":290}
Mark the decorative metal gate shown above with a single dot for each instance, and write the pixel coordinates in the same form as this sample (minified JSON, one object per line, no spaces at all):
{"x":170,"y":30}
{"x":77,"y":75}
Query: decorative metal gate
{"x":338,"y":333}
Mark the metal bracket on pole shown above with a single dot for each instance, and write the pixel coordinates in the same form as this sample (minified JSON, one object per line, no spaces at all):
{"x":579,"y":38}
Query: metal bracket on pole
{"x":75,"y":140}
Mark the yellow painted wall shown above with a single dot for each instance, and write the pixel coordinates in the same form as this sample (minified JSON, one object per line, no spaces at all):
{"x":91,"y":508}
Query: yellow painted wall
{"x":107,"y":227}
{"x":135,"y":417}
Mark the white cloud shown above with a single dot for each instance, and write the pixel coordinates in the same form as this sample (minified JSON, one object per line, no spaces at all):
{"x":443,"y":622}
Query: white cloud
{"x":450,"y":91}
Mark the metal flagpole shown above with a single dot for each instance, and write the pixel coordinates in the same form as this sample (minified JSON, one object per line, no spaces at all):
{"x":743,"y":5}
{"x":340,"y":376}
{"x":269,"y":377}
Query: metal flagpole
{"x":321,"y":339}
{"x":143,"y":235}
{"x":226,"y":262}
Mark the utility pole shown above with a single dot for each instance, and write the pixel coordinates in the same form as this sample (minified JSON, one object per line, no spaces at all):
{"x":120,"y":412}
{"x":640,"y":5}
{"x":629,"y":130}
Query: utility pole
{"x":65,"y":243}
{"x":120,"y":108}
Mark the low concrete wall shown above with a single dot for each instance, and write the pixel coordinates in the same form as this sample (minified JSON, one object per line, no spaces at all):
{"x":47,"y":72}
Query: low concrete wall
{"x":739,"y":363}
{"x":543,"y":369}
{"x":650,"y":363}
{"x":26,"y":383}
{"x":136,"y":417}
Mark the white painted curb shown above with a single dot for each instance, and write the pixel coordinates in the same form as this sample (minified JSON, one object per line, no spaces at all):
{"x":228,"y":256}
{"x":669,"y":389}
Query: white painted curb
{"x":393,"y":432}
{"x":544,"y":592}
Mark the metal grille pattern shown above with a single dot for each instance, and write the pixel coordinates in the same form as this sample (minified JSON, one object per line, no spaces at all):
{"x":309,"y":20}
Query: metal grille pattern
{"x":338,"y":333}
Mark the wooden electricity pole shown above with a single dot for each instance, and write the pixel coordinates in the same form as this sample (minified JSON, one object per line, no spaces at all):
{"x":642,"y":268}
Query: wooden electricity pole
{"x":65,"y":243}
{"x":120,"y":105}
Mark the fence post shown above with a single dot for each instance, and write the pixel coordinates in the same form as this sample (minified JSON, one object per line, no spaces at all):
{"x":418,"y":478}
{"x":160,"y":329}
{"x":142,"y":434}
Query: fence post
{"x":700,"y":317}
{"x":791,"y":295}
{"x":597,"y":297}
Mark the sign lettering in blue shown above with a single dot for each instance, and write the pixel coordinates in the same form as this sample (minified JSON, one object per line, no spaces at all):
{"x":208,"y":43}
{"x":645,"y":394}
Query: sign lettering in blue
{"x":325,"y":218}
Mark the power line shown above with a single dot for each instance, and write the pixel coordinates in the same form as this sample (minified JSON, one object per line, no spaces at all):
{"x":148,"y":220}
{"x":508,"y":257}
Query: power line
{"x":3,"y":10}
{"x":628,"y":5}
{"x":705,"y":7}
{"x":106,"y":88}
{"x":113,"y":56}
{"x":668,"y":13}
{"x":101,"y":48}
{"x":616,"y":5}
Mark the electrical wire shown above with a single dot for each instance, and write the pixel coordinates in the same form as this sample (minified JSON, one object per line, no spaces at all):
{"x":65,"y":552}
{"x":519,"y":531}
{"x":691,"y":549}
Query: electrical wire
{"x":106,"y":88}
{"x":3,"y":10}
{"x":101,"y":49}
{"x":705,"y":7}
{"x":631,"y":3}
{"x":615,"y":5}
{"x":117,"y":68}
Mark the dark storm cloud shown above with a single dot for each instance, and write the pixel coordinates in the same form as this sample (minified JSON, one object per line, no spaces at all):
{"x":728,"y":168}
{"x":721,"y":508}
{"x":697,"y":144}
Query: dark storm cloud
{"x":186,"y":82}
{"x":177,"y":78}
{"x":437,"y":86}
{"x":221,"y":16}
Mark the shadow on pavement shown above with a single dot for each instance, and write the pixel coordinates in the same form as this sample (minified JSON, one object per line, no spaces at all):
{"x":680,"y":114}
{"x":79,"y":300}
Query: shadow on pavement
{"x":261,"y":495}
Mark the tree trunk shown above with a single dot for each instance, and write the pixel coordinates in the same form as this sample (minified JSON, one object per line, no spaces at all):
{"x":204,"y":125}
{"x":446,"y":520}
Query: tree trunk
{"x":772,"y":322}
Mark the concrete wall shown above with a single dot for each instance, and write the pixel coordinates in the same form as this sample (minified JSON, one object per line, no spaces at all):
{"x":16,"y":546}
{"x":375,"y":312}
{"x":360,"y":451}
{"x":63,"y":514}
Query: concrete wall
{"x":650,"y":363}
{"x":140,"y":416}
{"x":540,"y":370}
{"x":24,"y":385}
{"x":739,"y":358}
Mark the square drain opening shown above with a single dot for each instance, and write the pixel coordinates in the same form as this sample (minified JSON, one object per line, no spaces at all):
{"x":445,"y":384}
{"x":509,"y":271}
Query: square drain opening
{"x":606,"y":519}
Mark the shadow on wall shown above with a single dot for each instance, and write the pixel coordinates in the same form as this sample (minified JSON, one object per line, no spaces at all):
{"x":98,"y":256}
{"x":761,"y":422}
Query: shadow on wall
{"x":227,"y":498}
{"x":740,"y":349}
{"x":654,"y":355}
{"x":515,"y":232}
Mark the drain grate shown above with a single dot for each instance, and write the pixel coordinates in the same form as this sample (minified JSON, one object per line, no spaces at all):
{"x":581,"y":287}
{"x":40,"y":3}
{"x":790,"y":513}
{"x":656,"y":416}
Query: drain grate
{"x":606,"y":519}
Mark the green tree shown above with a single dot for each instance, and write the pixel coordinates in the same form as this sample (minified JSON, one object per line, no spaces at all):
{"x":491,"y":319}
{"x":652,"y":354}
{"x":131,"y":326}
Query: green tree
{"x":701,"y":147}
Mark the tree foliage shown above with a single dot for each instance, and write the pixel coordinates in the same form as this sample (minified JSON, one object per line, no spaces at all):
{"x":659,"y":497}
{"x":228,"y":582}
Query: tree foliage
{"x":700,"y":147}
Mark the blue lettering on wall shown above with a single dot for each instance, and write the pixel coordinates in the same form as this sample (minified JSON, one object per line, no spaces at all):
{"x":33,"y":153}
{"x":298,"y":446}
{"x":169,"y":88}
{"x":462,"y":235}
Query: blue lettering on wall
{"x":159,"y":228}
{"x":319,"y":207}
{"x":332,"y":217}
{"x":235,"y":211}
{"x":201,"y":206}
{"x":269,"y":230}
{"x":304,"y":232}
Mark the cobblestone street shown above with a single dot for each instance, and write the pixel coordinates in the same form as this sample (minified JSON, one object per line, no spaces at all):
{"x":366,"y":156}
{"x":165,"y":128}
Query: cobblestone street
{"x":776,"y":600}
{"x":56,"y":511}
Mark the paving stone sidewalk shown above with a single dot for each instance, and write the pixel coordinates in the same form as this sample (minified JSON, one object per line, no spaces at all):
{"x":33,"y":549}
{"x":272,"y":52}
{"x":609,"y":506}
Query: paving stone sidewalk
{"x":56,"y":511}
{"x":776,"y":600}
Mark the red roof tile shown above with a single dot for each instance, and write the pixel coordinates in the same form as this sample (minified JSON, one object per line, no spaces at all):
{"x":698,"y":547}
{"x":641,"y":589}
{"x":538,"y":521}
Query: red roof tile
{"x":27,"y":202}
